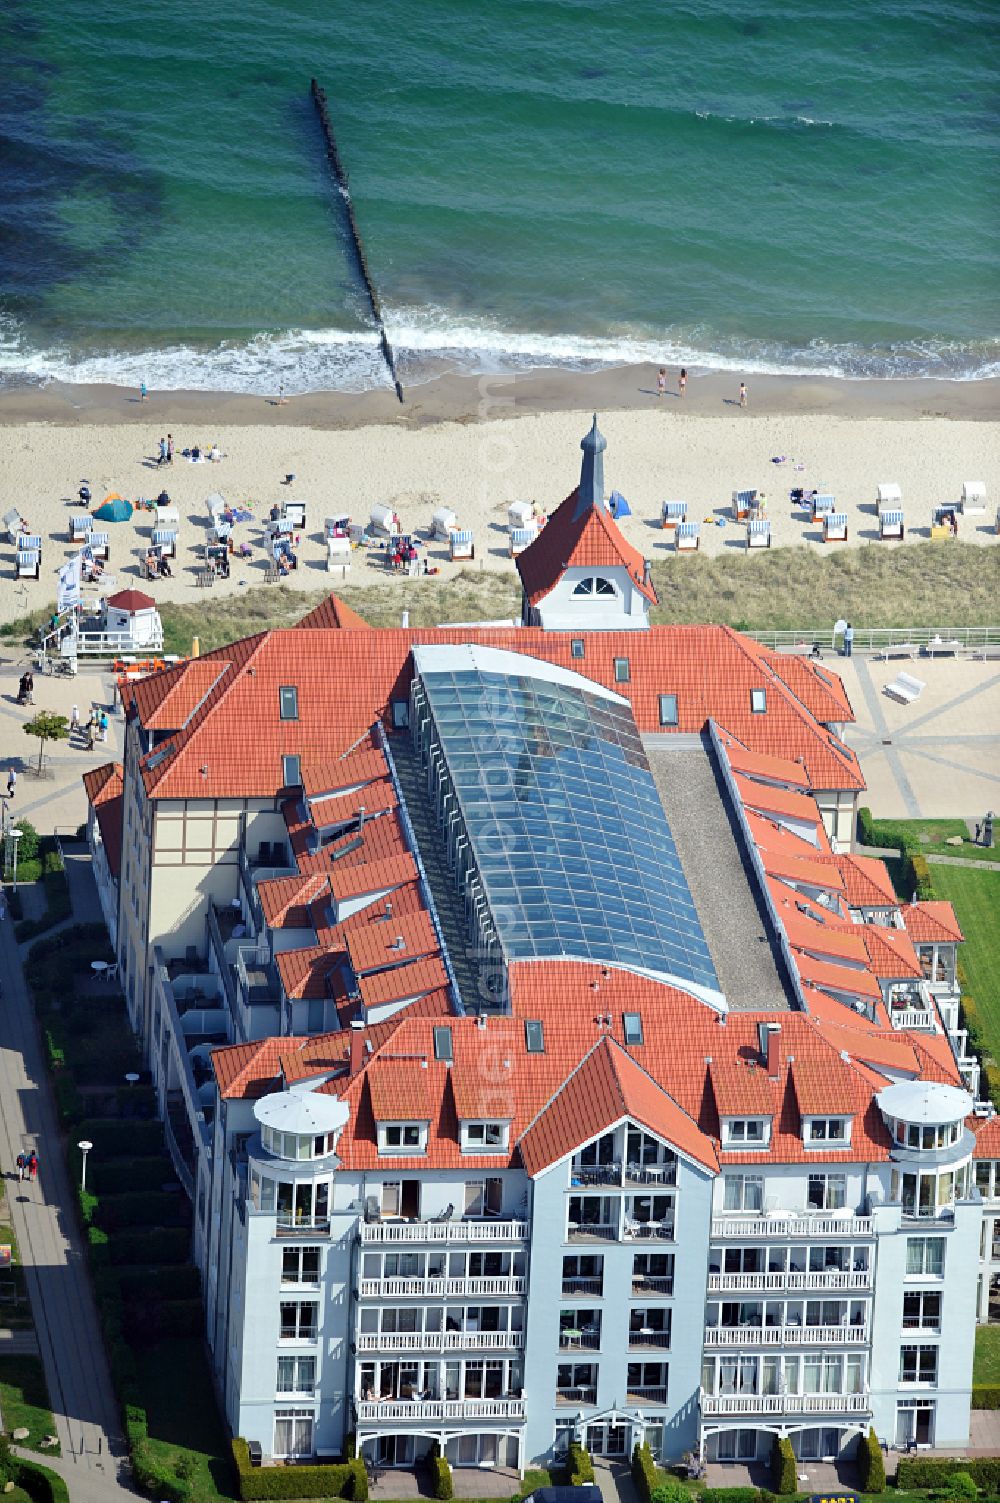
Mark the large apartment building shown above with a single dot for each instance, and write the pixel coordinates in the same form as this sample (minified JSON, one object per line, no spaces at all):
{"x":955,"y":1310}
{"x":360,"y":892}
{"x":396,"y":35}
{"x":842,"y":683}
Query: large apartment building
{"x":539,"y":1058}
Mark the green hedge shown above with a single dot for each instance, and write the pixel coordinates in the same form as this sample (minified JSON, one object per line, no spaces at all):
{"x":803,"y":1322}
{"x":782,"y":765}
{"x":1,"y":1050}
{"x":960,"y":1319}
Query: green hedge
{"x":986,"y":1396}
{"x":934,"y":1471}
{"x":150,"y":1320}
{"x":113,"y":1138}
{"x":644,"y":1473}
{"x":177,"y":1281}
{"x":783,"y":1466}
{"x":122,"y":1176}
{"x":141,"y":1208}
{"x":57,"y":900}
{"x":169,"y":1244}
{"x":579,"y":1465}
{"x":441,"y":1479}
{"x":41,"y":1484}
{"x":871,"y":1464}
{"x":923,"y":880}
{"x":734,"y":1495}
{"x":342,"y":1480}
{"x":158,"y":1478}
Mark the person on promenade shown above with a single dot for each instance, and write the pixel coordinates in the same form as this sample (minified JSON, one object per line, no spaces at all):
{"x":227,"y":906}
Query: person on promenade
{"x":661,"y":382}
{"x":90,"y":732}
{"x":12,"y":781}
{"x":743,"y":393}
{"x":74,"y":719}
{"x":682,"y":382}
{"x":848,"y":640}
{"x":21,"y":1163}
{"x":33,"y":1166}
{"x":143,"y":391}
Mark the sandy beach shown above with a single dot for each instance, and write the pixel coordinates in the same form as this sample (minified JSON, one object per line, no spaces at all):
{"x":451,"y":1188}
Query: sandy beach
{"x":476,"y":445}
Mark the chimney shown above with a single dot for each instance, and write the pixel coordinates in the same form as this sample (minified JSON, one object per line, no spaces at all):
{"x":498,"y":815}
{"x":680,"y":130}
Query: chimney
{"x":357,"y":1047}
{"x":406,"y":620}
{"x":647,"y":572}
{"x":481,"y":1021}
{"x":769,"y":1035}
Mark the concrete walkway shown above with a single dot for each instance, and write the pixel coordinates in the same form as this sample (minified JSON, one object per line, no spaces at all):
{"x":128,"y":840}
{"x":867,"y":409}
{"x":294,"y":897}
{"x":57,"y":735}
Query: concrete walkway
{"x":614,"y":1478}
{"x":43,"y":1216}
{"x":976,"y":866}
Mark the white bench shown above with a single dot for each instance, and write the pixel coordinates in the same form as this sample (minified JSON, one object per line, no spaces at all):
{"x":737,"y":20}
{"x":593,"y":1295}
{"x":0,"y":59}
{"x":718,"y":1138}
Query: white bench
{"x":905,"y":688}
{"x":898,"y":650}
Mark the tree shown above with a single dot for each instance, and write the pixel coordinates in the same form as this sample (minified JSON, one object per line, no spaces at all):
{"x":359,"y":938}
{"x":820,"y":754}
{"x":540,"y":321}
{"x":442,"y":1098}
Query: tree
{"x":47,"y":727}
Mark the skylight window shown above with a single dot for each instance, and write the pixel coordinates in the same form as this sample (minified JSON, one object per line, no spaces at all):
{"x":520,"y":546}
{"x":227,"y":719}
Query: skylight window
{"x":291,"y":772}
{"x":443,"y":1044}
{"x":577,"y":648}
{"x":668,"y":709}
{"x":758,"y":701}
{"x":534,"y":1036}
{"x":288,"y":702}
{"x":623,"y":671}
{"x":632,"y":1028}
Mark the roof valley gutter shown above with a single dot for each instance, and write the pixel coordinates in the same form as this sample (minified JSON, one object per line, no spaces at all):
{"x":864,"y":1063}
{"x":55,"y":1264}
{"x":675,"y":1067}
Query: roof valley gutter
{"x":382,"y":739}
{"x":756,"y":861}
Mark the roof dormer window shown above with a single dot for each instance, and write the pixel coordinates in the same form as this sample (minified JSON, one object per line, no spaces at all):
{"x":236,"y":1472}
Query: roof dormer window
{"x":746,"y":1132}
{"x":485,"y":1137}
{"x":826,"y":1132}
{"x":593,"y":585}
{"x":402,"y":1137}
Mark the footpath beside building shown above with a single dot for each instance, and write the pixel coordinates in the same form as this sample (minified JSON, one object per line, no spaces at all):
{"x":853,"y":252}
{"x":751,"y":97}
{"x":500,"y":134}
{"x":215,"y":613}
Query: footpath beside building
{"x":540,"y":1059}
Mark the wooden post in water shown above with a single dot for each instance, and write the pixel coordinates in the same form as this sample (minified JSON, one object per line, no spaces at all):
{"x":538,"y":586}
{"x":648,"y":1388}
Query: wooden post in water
{"x":340,"y":176}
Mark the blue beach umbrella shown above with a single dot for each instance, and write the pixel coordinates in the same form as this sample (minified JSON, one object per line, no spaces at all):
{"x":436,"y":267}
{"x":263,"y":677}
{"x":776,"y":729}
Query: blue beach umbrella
{"x":114,"y":508}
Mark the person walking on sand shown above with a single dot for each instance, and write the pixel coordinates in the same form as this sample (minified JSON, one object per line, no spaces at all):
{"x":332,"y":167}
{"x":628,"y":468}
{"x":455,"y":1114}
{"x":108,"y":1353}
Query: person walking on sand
{"x":143,"y":391}
{"x":170,"y":448}
{"x":162,"y":459}
{"x":281,"y":394}
{"x":848,"y":640}
{"x":743,"y":393}
{"x":661,"y":382}
{"x":682,"y":382}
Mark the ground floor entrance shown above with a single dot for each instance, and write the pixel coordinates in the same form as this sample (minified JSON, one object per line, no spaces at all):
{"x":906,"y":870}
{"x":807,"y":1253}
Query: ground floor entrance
{"x":914,"y":1424}
{"x":613,"y":1441}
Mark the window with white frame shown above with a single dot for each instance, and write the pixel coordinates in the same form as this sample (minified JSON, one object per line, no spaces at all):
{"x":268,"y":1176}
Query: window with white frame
{"x":402,"y":1137}
{"x":988,"y":1178}
{"x":743,"y":1192}
{"x":300,"y":1265}
{"x":829,"y":1131}
{"x":922,"y":1310}
{"x":299,"y":1320}
{"x":296,"y":1374}
{"x":925,"y":1257}
{"x":918,"y":1364}
{"x":485,"y":1137}
{"x":827,"y":1192}
{"x":595,"y":585}
{"x":293,"y":1432}
{"x":746,"y":1132}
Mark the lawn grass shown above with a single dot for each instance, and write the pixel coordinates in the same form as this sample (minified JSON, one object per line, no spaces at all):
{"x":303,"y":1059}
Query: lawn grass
{"x":976,"y":899}
{"x":24,"y":1400}
{"x":15,"y":1311}
{"x":986,"y":1367}
{"x":932,"y":836}
{"x":184,"y":1418}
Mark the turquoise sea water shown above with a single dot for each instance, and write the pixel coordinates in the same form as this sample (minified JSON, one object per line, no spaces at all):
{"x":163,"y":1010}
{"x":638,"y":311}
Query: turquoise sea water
{"x":781,"y":185}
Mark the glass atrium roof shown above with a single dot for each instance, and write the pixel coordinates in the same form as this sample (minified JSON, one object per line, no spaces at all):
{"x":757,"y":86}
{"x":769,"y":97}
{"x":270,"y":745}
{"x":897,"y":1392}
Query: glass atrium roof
{"x":567,"y":830}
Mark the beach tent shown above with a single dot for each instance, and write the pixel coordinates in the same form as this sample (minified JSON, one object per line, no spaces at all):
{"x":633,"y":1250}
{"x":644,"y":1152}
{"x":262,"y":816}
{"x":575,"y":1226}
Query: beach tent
{"x":618,"y":506}
{"x":114,"y":508}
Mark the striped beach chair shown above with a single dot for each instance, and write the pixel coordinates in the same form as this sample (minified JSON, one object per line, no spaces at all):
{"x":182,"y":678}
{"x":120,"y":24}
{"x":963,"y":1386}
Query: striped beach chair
{"x":165,"y":538}
{"x":29,"y":562}
{"x":759,"y":533}
{"x":521,"y":538}
{"x":687,"y":538}
{"x":744,"y":502}
{"x":79,"y":527}
{"x":674,"y":512}
{"x":461,"y":544}
{"x":890,"y":525}
{"x":887,"y":494}
{"x":822,"y":506}
{"x":835,"y":527}
{"x":100,"y":542}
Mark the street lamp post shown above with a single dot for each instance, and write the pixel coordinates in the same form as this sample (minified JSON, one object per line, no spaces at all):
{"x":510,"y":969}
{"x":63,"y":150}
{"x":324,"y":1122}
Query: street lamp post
{"x":84,"y":1146}
{"x":15,"y":835}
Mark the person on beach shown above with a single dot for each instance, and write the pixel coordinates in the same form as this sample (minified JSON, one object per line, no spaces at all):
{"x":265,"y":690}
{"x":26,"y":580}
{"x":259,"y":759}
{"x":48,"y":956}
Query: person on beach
{"x":143,"y":391}
{"x":661,"y":382}
{"x":682,"y":382}
{"x":281,"y":393}
{"x":163,"y":452}
{"x":743,"y":393}
{"x":170,"y":448}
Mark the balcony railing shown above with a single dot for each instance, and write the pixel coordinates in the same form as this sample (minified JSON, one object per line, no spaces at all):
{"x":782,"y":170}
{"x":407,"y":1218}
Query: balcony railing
{"x":827,"y":1279}
{"x":591,"y":1231}
{"x":583,"y":1395}
{"x":845,"y":1335}
{"x":444,"y":1231}
{"x":920,"y":1019}
{"x":618,"y":1176}
{"x":659,"y":1339}
{"x":440,"y":1341}
{"x":645,"y":1395}
{"x":648,"y":1231}
{"x":794,"y":1225}
{"x":441,"y":1288}
{"x":785,"y":1403}
{"x":644,"y":1283}
{"x":288,"y":1225}
{"x":377,"y":1411}
{"x":571,"y":1341}
{"x":583,"y":1286}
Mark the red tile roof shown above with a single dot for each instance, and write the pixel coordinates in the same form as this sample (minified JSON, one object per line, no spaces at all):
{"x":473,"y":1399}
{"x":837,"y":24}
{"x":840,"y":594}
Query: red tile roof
{"x":380,"y":988}
{"x":286,"y":901}
{"x":375,"y":798}
{"x":332,"y":613}
{"x":105,"y":787}
{"x":358,"y":880}
{"x":175,"y":694}
{"x":931,"y":923}
{"x":247,"y":1071}
{"x":310,"y":973}
{"x":766,"y":769}
{"x":131,"y":600}
{"x":866,"y":881}
{"x":891,"y":952}
{"x":828,"y":976}
{"x":405,"y":1090}
{"x":836,"y":940}
{"x":827,"y":1085}
{"x":796,"y":806}
{"x":590,"y":540}
{"x":372,"y":946}
{"x":819,"y":689}
{"x":811,"y":871}
{"x":987,"y":1131}
{"x":742,"y":1087}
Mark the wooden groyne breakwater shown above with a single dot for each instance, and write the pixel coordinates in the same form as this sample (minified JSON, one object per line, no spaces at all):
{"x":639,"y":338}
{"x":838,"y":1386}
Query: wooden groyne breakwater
{"x":340,"y":175}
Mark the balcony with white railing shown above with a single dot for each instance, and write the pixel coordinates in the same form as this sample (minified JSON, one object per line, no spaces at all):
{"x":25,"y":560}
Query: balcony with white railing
{"x":444,"y":1231}
{"x":794,"y":1225}
{"x":916,"y":1019}
{"x":741,"y":1336}
{"x":402,"y":1411}
{"x":645,"y":1395}
{"x":442,"y":1288}
{"x":440,"y":1341}
{"x":741,"y":1283}
{"x":721,"y":1404}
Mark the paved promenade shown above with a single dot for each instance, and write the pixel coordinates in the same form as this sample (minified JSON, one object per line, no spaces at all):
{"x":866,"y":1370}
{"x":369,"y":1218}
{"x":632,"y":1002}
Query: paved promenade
{"x":69,"y":1340}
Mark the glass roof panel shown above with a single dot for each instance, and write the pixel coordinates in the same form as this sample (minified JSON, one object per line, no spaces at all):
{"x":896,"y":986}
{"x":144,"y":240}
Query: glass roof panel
{"x":564,"y":820}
